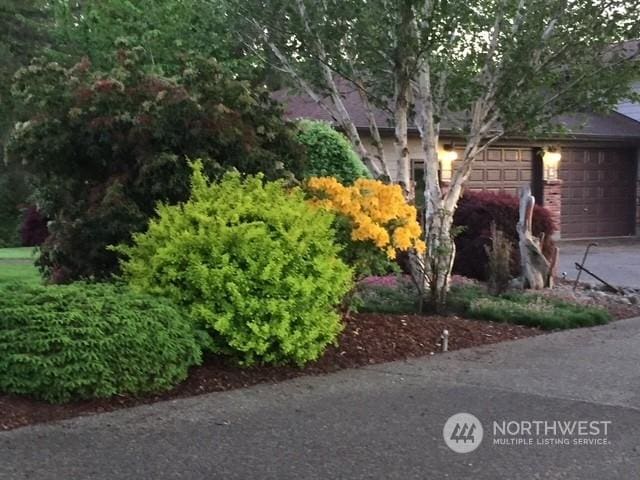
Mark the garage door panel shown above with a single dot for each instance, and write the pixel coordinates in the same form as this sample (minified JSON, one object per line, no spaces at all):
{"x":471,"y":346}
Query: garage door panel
{"x":598,"y":192}
{"x":576,"y":194}
{"x":511,"y":175}
{"x":502,"y":170}
{"x":494,"y":155}
{"x":476,"y":176}
{"x":592,"y":176}
{"x":511,"y":155}
{"x":572,"y":210}
{"x":577,"y":176}
{"x":494,"y":175}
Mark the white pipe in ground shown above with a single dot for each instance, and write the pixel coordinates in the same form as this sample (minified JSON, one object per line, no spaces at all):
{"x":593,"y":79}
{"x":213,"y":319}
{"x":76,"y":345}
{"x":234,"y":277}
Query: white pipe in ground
{"x":445,"y":340}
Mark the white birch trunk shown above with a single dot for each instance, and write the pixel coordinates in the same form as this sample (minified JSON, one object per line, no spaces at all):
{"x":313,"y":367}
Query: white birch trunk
{"x":440,"y":206}
{"x":401,"y":143}
{"x":348,"y":126}
{"x":437,"y":220}
{"x":342,"y":114}
{"x":376,"y":139}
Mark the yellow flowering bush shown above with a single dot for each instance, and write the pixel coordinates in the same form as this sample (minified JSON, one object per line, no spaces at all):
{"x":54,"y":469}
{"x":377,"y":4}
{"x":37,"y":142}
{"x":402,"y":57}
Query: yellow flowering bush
{"x":373,"y":213}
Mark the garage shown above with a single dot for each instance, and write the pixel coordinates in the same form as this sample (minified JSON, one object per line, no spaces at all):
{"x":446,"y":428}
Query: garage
{"x":598,"y":192}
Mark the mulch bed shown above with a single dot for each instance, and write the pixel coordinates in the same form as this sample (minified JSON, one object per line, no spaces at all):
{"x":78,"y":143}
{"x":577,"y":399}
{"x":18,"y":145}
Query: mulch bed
{"x":367,"y":339}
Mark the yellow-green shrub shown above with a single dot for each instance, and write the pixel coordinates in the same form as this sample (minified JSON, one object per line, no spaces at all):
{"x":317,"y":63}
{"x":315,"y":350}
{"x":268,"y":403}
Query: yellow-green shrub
{"x":255,"y":265}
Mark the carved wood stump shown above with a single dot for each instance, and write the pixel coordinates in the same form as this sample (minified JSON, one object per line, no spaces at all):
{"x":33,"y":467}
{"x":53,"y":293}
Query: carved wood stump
{"x":537,"y":272}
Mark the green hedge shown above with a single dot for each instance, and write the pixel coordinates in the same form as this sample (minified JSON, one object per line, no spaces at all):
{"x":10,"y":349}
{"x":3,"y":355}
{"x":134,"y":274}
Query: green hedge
{"x":329,"y":153}
{"x":85,"y":341}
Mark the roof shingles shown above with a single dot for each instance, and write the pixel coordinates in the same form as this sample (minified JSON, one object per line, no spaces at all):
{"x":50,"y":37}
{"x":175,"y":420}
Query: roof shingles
{"x":583,"y":125}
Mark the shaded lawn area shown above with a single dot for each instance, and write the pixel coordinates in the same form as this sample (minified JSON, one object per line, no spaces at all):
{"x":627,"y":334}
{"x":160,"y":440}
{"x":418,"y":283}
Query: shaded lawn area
{"x":16,"y":265}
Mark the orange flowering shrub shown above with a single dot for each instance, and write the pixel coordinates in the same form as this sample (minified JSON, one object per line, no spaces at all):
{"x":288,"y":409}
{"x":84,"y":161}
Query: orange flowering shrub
{"x":378,"y":213}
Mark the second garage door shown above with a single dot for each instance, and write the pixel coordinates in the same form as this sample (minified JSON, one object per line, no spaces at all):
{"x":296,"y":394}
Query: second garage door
{"x":598,"y":193}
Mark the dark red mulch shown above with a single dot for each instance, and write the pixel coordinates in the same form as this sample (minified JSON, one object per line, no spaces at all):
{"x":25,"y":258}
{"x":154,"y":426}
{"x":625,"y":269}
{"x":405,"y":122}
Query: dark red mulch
{"x":367,"y":339}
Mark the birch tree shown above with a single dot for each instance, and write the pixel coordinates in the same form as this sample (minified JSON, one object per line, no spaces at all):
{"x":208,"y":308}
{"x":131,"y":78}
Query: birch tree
{"x":318,"y":47}
{"x":483,"y":68}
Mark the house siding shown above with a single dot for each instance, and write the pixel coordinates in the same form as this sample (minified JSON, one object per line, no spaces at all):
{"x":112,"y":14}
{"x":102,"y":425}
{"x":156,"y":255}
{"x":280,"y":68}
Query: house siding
{"x":631,"y":109}
{"x":415,"y":151}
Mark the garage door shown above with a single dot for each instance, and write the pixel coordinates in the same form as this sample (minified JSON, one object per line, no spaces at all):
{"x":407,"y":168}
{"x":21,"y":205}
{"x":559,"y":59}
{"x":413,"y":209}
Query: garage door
{"x":497,"y":169}
{"x":501,"y":170}
{"x":598,"y":193}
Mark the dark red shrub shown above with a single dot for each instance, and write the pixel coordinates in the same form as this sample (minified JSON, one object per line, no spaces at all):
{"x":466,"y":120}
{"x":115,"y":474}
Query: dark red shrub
{"x":476,"y":211}
{"x":104,"y":148}
{"x":33,"y":231}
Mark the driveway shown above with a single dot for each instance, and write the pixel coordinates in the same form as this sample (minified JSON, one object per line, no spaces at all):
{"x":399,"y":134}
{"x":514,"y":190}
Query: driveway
{"x":617,"y":262}
{"x":383,"y":422}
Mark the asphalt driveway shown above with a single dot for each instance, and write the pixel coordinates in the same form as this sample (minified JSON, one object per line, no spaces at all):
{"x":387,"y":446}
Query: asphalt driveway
{"x":382,"y":422}
{"x":617,"y":262}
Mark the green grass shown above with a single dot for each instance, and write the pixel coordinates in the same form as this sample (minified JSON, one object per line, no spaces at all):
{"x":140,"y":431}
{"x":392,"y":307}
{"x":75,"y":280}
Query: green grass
{"x":16,"y":265}
{"x":401,"y":298}
{"x":472,"y":301}
{"x":525,"y":309}
{"x":17,"y":253}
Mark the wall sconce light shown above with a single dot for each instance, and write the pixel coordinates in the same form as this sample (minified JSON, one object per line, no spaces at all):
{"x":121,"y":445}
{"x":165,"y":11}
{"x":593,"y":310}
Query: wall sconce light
{"x":447,"y":156}
{"x":550,"y":161}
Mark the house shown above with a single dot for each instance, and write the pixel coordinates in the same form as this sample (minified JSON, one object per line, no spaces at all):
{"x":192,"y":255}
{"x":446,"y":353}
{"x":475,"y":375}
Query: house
{"x":629,"y":108}
{"x":595,"y":194}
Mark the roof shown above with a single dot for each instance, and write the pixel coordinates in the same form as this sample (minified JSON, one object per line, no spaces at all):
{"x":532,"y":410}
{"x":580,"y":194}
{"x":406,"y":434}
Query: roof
{"x":629,"y":49}
{"x":303,"y":106}
{"x":614,"y":125}
{"x":583,"y":125}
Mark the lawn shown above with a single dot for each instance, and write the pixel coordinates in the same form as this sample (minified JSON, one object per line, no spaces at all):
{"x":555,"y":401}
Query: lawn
{"x":17,"y":253}
{"x":16,"y":265}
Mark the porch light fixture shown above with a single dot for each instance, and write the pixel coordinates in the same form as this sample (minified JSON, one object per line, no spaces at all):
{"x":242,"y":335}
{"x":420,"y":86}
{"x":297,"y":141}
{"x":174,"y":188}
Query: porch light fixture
{"x":550,"y":161}
{"x":447,"y":156}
